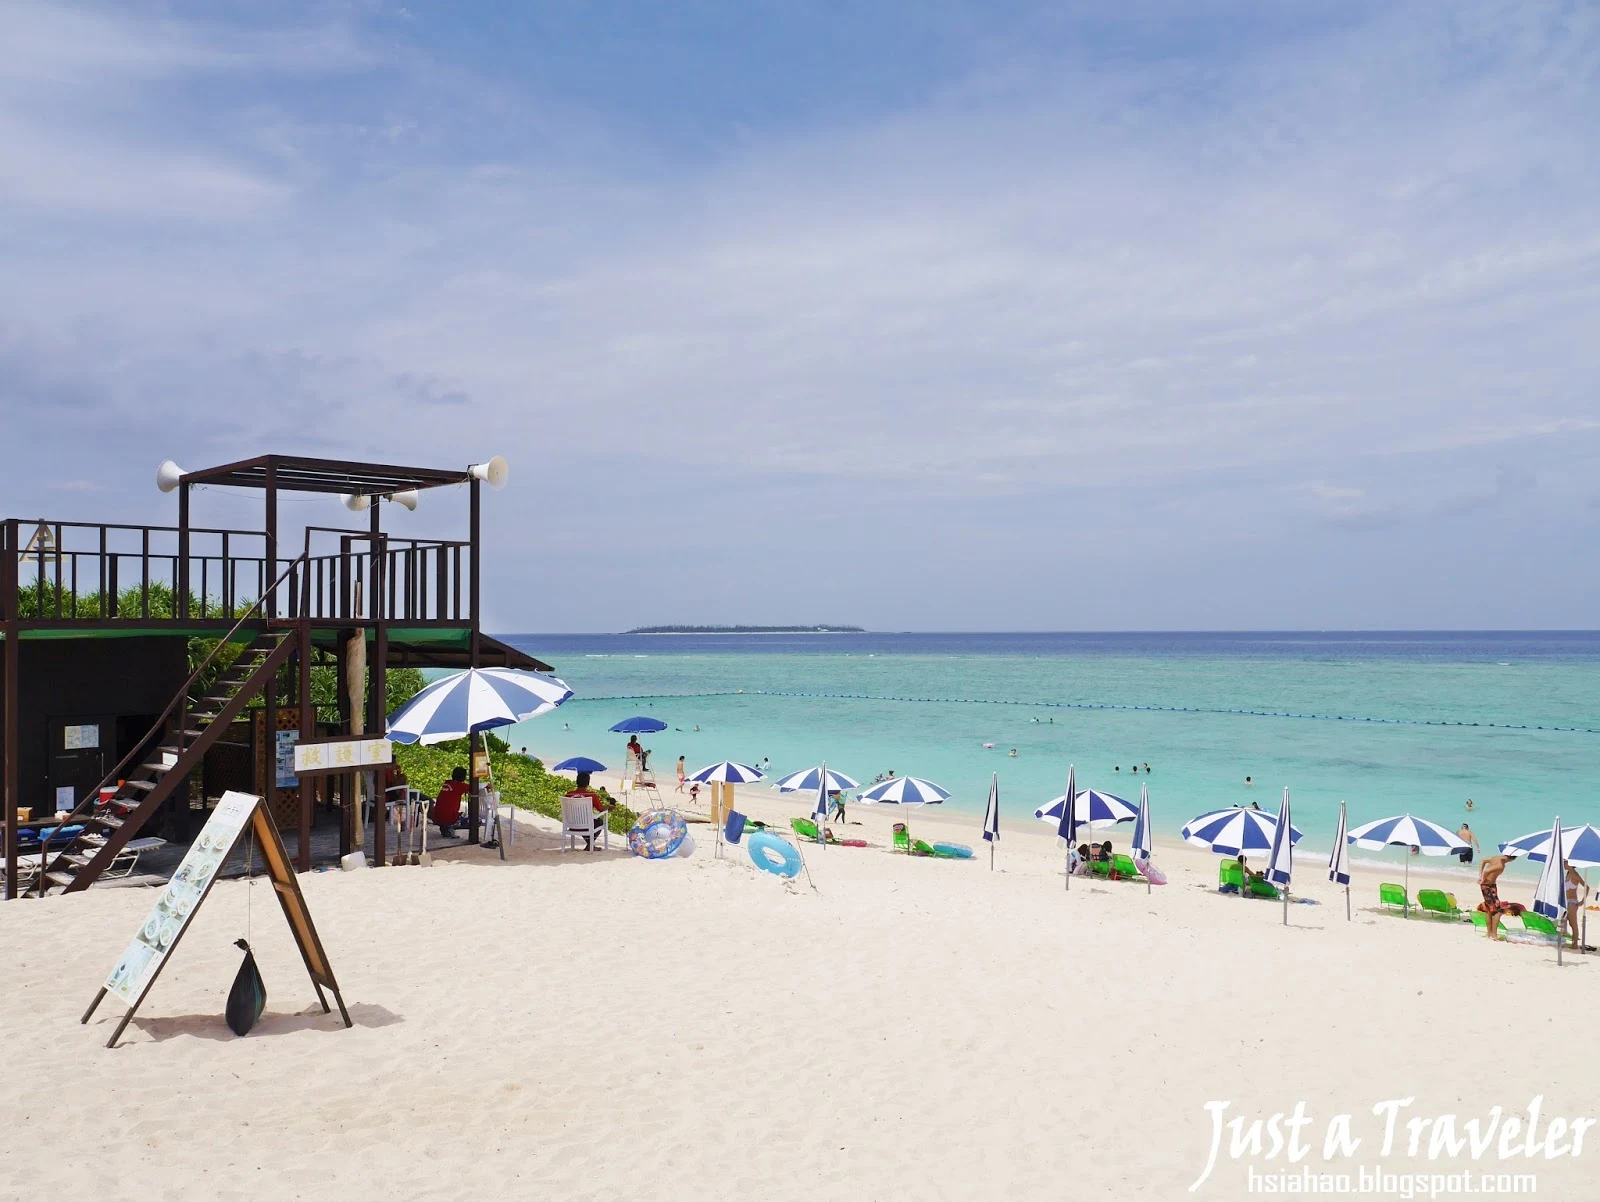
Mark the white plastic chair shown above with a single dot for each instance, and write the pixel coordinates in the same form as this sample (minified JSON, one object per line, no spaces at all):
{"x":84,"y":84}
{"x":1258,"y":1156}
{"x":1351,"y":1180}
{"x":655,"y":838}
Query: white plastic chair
{"x":578,"y":822}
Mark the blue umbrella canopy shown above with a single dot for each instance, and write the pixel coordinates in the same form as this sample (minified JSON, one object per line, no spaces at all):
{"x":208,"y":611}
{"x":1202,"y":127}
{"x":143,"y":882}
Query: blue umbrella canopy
{"x":905,"y":791}
{"x":1092,"y":808}
{"x":1403,"y":830}
{"x":639,"y":725}
{"x":728,"y":771}
{"x":1580,"y":846}
{"x":579,"y":763}
{"x":475,"y":700}
{"x":806,"y":780}
{"x":1235,"y":831}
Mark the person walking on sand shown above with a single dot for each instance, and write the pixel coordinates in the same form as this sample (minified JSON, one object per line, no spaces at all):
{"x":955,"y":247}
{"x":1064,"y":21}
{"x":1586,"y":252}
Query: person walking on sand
{"x":838,"y":807}
{"x":682,"y":776}
{"x":1472,"y":846}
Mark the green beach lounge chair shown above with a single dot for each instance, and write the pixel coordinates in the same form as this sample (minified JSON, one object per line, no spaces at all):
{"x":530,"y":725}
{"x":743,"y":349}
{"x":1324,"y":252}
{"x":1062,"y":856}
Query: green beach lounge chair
{"x":804,"y":827}
{"x":919,"y":848}
{"x":1228,"y":873}
{"x":1125,"y":868}
{"x":1538,"y":924}
{"x":1261,"y":888}
{"x":1393,"y":896}
{"x":1437,"y":901}
{"x":902,"y":838}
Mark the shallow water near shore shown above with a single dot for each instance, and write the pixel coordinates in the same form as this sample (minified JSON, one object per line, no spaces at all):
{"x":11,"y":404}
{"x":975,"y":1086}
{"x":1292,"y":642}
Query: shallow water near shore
{"x":1389,"y":722}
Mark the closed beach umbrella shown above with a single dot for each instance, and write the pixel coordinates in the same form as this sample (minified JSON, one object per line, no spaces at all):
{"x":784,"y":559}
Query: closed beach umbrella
{"x":729,"y":773}
{"x":473,"y":701}
{"x":1141,"y":834}
{"x":1280,"y":860}
{"x":1550,"y":897}
{"x":1092,"y":808}
{"x":639,"y":726}
{"x":1580,"y":846}
{"x":1339,"y":859}
{"x":819,"y":811}
{"x":579,"y":763}
{"x":1067,"y":822}
{"x":1235,"y":831}
{"x":1405,"y":830}
{"x":991,"y":817}
{"x":904,"y":791}
{"x":805,"y":781}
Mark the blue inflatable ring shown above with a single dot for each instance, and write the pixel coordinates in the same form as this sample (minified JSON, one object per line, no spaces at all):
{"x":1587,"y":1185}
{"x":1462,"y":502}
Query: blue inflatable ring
{"x":763,"y":849}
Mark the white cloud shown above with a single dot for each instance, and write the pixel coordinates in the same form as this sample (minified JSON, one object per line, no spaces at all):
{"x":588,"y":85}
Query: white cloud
{"x":1151,"y":298}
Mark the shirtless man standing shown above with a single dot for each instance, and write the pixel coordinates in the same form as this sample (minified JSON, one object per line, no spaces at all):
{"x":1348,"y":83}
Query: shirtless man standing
{"x":1488,"y":875}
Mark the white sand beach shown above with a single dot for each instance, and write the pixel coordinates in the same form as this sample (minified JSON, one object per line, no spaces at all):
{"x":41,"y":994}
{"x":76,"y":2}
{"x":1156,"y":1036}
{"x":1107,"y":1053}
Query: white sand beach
{"x":599,"y":1026}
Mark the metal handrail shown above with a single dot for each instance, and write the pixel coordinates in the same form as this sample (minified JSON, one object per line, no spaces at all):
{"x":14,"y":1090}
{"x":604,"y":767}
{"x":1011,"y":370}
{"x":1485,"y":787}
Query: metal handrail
{"x":180,"y":698}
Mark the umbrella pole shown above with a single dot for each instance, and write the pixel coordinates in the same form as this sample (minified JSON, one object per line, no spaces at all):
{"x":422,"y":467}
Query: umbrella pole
{"x":1347,"y":903}
{"x":1408,"y":883}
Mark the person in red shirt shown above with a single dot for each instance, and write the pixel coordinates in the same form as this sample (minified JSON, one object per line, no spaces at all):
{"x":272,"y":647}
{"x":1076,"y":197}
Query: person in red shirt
{"x":601,"y":805}
{"x":446,"y":811}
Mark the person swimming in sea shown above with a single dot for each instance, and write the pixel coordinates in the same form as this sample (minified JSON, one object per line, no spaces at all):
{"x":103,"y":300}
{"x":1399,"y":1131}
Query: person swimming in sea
{"x":1013,"y":753}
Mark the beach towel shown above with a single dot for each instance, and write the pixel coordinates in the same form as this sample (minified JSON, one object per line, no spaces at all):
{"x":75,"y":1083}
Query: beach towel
{"x":735,"y":828}
{"x":248,"y":997}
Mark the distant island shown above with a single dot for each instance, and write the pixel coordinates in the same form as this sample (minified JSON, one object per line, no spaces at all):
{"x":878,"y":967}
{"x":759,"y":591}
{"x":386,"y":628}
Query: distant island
{"x":745,"y":630}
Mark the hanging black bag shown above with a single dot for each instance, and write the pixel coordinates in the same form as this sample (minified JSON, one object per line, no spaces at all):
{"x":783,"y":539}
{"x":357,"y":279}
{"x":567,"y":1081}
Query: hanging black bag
{"x":248,"y":997}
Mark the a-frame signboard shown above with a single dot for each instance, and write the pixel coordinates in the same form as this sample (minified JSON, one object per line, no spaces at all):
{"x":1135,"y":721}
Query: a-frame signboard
{"x":141,"y":964}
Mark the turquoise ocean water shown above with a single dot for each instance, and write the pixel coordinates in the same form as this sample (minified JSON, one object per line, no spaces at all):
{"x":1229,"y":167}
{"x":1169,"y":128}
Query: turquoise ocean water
{"x":1388,"y":722}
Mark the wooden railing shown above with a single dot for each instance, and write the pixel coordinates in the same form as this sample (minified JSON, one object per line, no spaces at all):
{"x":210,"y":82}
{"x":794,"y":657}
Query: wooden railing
{"x":110,"y":572}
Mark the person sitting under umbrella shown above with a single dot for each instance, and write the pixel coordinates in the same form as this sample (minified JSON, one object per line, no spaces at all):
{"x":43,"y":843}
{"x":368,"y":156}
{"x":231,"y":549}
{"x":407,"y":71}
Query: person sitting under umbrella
{"x":602,"y":807}
{"x":446,"y":809}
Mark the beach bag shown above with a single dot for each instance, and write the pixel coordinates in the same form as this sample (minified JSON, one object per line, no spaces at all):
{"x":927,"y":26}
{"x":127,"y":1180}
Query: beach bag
{"x":248,"y":997}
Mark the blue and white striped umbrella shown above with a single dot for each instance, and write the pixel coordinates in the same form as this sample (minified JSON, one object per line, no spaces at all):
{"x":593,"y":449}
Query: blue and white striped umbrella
{"x":904,"y":791}
{"x":1067,"y":824}
{"x":991,"y":812}
{"x":1550,"y":895}
{"x":729,"y":773}
{"x":1092,"y":808}
{"x":1580,"y":846}
{"x":475,"y":700}
{"x":1235,"y":831}
{"x":1404,"y":830}
{"x":1141,"y":828}
{"x":805,"y":781}
{"x":1280,"y":859}
{"x":1339,"y":857}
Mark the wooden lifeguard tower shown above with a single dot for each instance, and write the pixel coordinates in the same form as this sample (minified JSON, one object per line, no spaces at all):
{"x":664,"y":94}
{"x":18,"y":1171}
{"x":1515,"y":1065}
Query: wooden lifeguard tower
{"x":103,"y":716}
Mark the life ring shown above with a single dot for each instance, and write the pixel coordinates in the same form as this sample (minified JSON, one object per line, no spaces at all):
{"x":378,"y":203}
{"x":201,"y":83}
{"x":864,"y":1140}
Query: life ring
{"x":772,"y":854}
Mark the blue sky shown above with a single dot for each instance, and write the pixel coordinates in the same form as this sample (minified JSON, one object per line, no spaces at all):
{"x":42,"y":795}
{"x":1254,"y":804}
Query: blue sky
{"x":919,"y":315}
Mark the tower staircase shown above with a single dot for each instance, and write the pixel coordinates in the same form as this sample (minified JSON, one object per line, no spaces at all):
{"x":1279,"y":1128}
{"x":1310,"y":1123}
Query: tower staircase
{"x":108,"y":820}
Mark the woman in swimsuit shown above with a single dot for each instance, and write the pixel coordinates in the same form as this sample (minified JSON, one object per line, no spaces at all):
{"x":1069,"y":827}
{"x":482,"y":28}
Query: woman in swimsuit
{"x":1488,"y":877}
{"x":1577,"y":894}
